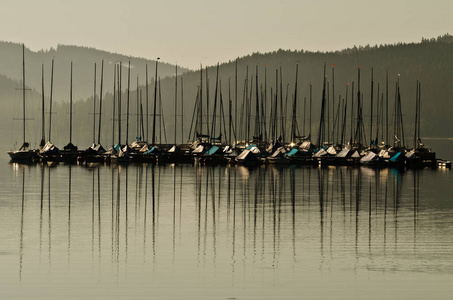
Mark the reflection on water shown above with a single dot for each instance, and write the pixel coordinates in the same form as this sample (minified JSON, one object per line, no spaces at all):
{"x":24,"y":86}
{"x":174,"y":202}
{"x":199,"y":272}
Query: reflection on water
{"x":180,"y":231}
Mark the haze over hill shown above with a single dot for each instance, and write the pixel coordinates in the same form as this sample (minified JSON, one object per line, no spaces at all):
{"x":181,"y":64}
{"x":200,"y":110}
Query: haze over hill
{"x":83,"y":59}
{"x":431,"y":60}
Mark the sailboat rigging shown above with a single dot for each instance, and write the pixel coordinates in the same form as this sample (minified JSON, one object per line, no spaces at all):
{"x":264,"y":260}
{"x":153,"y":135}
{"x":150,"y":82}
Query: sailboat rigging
{"x":24,"y":154}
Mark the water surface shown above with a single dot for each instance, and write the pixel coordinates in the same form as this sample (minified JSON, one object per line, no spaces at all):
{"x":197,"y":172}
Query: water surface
{"x":185,"y":232}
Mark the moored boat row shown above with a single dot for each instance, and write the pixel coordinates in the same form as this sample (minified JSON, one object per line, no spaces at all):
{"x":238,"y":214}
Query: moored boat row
{"x":208,"y":154}
{"x":265,"y":142}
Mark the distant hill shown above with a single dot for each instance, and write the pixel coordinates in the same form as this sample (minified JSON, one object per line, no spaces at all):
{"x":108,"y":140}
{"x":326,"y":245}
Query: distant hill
{"x":431,"y":61}
{"x":83,"y":59}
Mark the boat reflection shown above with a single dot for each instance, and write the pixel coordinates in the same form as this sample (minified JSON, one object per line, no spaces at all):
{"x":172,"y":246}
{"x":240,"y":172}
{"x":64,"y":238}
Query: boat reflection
{"x":145,"y":217}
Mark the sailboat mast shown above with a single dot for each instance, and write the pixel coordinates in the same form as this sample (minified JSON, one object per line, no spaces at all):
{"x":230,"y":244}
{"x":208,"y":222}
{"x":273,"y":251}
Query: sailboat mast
{"x":305,"y":108}
{"x":371,"y":113}
{"x":114,"y":103}
{"x":358,"y":132}
{"x":182,"y":109}
{"x":207,"y":103}
{"x":334,"y":137}
{"x":293,"y":121}
{"x":50,"y":105}
{"x":214,"y":119}
{"x":176,"y":98}
{"x":200,"y":106}
{"x":229,"y":112}
{"x":222,"y":115}
{"x":23,"y":90}
{"x":275,"y":106}
{"x":352,"y":114}
{"x":120,"y":73}
{"x":257,"y":108}
{"x":161,"y":116}
{"x":265,"y":102}
{"x":309,"y":133}
{"x":42,"y":109}
{"x":246,"y":99}
{"x":138,"y":112}
{"x":147,"y":106}
{"x":142,"y":131}
{"x":387,"y":106}
{"x":94,"y":106}
{"x":378,"y":116}
{"x":236,"y":95}
{"x":419,"y":108}
{"x":321,"y":120}
{"x":263,"y":128}
{"x":155,"y":101}
{"x":100,"y":102}
{"x":395,"y":112}
{"x":400,"y":110}
{"x":128,"y":99}
{"x":344,"y":117}
{"x":282,"y":120}
{"x":70,"y":109}
{"x":416,"y":116}
{"x":285,"y":112}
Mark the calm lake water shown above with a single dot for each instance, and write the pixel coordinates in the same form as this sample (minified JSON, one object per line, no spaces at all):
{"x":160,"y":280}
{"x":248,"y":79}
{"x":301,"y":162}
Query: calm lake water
{"x":186,"y":232}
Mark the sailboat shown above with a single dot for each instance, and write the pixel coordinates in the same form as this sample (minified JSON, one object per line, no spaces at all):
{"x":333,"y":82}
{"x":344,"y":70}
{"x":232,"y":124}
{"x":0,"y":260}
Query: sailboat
{"x":70,"y":151}
{"x":24,"y":154}
{"x":95,"y":153}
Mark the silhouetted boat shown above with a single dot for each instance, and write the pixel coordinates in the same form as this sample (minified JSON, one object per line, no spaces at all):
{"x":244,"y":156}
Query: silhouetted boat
{"x":24,"y":154}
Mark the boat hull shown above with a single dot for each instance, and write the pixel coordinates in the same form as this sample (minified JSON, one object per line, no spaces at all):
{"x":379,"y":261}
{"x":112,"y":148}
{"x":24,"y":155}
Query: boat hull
{"x":23,"y":155}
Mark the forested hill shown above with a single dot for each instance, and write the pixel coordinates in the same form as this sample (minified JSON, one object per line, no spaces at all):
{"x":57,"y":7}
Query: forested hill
{"x":430,"y":60}
{"x":83,"y":59}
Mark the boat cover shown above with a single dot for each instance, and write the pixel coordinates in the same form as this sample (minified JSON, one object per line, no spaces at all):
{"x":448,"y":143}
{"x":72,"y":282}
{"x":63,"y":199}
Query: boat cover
{"x":321,"y":152}
{"x":97,"y":148}
{"x":144,"y":148}
{"x":153,"y":150}
{"x":369,"y":157}
{"x":279,"y":152}
{"x":227,"y":149}
{"x":384,"y":154}
{"x":137,"y":144}
{"x":121,"y":153}
{"x":70,"y":146}
{"x":305,"y":146}
{"x":410,"y":153}
{"x":255,"y":150}
{"x":199,"y":149}
{"x":343,"y":153}
{"x":273,"y":146}
{"x":174,"y":149}
{"x":213,"y":150}
{"x":293,"y":152}
{"x":246,"y":155}
{"x":232,"y":153}
{"x":331,"y":150}
{"x":355,"y":154}
{"x":126,"y":149}
{"x":49,"y":148}
{"x":396,"y":158}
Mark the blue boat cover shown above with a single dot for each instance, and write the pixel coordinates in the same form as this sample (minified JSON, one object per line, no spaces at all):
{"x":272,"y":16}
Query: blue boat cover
{"x":153,"y":150}
{"x":212,"y":151}
{"x":292,"y":152}
{"x":396,"y":157}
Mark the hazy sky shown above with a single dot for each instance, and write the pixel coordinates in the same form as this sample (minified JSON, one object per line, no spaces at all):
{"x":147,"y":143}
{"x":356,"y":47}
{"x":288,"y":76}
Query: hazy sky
{"x":207,"y":32}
